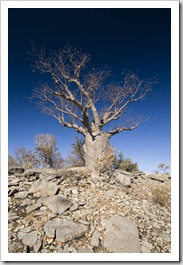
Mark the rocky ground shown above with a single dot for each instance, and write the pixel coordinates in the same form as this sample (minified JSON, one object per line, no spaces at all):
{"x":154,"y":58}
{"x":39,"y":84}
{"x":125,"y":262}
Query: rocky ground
{"x":64,"y":211}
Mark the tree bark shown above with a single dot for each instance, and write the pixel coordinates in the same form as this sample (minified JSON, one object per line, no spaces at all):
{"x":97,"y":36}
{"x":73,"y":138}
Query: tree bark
{"x":95,"y":147}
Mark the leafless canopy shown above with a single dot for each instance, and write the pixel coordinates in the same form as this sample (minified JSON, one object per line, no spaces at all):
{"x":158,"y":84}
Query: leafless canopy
{"x":79,"y":98}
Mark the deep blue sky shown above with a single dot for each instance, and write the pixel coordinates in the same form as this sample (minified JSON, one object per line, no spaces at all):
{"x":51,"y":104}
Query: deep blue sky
{"x":136,"y":39}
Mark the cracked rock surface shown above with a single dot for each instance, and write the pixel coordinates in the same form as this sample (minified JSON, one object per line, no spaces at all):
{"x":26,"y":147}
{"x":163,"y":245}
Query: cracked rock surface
{"x":63,"y":211}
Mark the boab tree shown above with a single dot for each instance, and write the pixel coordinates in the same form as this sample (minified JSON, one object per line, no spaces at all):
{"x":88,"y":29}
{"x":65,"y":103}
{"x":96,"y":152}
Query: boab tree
{"x":81,"y":99}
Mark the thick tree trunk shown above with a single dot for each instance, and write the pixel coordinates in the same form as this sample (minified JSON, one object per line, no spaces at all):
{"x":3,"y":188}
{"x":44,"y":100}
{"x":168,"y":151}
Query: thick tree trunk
{"x":95,"y":148}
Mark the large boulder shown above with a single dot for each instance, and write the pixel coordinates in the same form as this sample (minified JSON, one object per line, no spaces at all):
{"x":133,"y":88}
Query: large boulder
{"x":41,"y":188}
{"x":57,"y":203}
{"x":15,"y":169}
{"x":32,"y":172}
{"x":64,"y":230}
{"x":161,"y":178}
{"x":121,"y":235}
{"x":122,"y":179}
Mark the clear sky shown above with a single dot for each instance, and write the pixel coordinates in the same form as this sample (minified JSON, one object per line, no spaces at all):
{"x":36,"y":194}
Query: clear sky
{"x":136,"y":39}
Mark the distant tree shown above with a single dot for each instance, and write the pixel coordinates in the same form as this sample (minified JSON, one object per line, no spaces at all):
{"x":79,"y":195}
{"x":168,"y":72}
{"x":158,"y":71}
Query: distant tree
{"x":11,"y":161}
{"x":46,"y":151}
{"x":128,"y":165}
{"x":76,"y":156}
{"x":81,"y":99}
{"x":118,"y":159}
{"x":25,"y":158}
{"x":163,"y":167}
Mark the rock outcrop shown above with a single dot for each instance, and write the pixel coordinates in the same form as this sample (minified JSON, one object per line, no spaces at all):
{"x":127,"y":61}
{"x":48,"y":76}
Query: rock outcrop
{"x":60,"y":211}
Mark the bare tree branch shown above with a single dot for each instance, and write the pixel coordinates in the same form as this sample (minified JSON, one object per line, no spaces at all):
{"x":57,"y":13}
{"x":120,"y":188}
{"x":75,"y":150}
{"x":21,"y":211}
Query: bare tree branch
{"x":133,"y":124}
{"x":74,"y":92}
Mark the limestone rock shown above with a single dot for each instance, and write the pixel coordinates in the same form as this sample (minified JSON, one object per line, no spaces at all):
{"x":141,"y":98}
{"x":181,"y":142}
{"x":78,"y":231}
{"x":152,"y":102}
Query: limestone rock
{"x":33,"y":207}
{"x":14,"y":247}
{"x":123,"y":180}
{"x":160,"y":178}
{"x":38,"y":246}
{"x":21,"y":195}
{"x":121,"y":236}
{"x":52,"y":175}
{"x":85,"y":250}
{"x":92,"y":223}
{"x":56,"y":203}
{"x":28,"y":239}
{"x":32,"y":172}
{"x":14,"y":182}
{"x":15,"y":169}
{"x":12,"y":192}
{"x":43,"y":188}
{"x":95,"y":239}
{"x":64,"y":230}
{"x":12,"y":216}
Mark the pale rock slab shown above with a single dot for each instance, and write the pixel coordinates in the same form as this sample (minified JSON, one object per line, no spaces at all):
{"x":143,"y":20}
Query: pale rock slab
{"x":64,"y":230}
{"x":28,"y":239}
{"x":122,"y":235}
{"x":123,"y":180}
{"x":95,"y":239}
{"x":43,"y":188}
{"x":56,"y":203}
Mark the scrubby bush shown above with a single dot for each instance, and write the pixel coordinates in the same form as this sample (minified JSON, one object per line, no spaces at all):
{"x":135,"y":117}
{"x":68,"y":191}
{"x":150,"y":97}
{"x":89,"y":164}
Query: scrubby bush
{"x":128,"y":165}
{"x":160,"y":194}
{"x":118,"y":159}
{"x":11,"y":161}
{"x":25,"y":158}
{"x":76,"y":156}
{"x":46,"y":150}
{"x":45,"y":154}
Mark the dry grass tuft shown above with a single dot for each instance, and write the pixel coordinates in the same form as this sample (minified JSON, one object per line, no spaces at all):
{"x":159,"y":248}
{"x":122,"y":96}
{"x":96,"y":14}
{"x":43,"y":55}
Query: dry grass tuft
{"x":161,"y":194}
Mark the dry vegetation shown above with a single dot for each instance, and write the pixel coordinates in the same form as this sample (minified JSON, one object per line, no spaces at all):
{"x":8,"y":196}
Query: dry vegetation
{"x":161,"y":194}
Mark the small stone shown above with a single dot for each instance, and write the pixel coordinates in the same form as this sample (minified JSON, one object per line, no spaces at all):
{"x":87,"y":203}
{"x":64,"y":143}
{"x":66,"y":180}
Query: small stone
{"x":27,"y":202}
{"x":66,"y":248}
{"x":166,"y":237}
{"x":71,"y":249}
{"x":74,"y":207}
{"x":74,"y":190}
{"x":85,"y":250}
{"x":33,"y":208}
{"x":21,"y":195}
{"x":110,"y":193}
{"x":38,"y":246}
{"x":14,"y":247}
{"x":95,"y":239}
{"x":12,"y":192}
{"x":147,"y":245}
{"x":83,"y":222}
{"x":144,"y":249}
{"x":14,"y":182}
{"x":155,"y":225}
{"x":43,"y":208}
{"x":12,"y":216}
{"x":28,"y":239}
{"x":27,"y":229}
{"x":51,"y":215}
